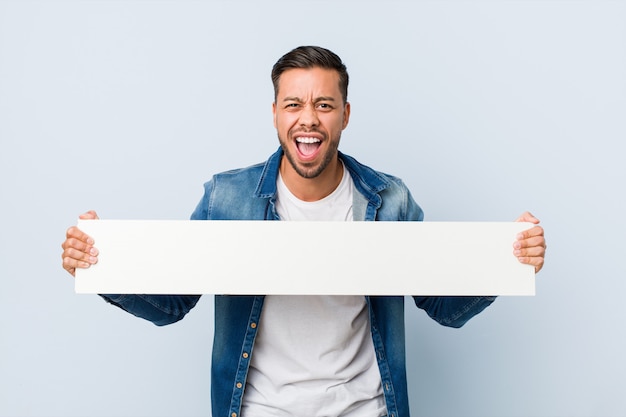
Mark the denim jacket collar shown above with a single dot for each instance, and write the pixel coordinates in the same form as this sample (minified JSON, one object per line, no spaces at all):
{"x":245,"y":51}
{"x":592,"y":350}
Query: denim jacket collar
{"x":367,"y":181}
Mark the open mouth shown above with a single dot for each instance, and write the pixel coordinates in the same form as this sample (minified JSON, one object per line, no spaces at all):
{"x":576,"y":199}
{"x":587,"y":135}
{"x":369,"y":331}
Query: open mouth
{"x":307,"y":146}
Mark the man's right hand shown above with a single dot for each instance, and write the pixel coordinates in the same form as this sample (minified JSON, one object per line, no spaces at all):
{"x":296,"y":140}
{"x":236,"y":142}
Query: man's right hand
{"x":78,"y":249}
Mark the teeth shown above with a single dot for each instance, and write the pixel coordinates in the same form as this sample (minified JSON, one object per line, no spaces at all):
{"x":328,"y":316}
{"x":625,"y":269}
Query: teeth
{"x":307,"y":140}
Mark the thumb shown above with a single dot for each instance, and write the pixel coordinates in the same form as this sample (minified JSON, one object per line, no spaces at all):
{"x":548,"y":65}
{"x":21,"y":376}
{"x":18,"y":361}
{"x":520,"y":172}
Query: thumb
{"x":90,"y":215}
{"x":527,"y":217}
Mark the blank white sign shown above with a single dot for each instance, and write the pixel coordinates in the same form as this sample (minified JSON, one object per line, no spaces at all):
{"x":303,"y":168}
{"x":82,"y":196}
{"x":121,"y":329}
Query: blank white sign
{"x":273,"y":257}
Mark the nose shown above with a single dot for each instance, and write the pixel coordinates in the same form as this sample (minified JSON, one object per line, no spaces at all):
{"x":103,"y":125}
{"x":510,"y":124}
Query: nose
{"x":308,"y":116}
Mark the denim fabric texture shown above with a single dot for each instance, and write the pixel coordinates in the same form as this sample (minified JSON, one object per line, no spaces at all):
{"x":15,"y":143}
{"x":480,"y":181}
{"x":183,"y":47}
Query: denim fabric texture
{"x":250,"y":194}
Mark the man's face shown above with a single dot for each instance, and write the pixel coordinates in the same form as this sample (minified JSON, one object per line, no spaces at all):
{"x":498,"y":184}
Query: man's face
{"x":309,"y":115}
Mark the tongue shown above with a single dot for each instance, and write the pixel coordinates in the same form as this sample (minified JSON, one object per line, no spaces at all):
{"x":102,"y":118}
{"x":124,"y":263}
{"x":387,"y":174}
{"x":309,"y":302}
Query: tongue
{"x":307,"y":149}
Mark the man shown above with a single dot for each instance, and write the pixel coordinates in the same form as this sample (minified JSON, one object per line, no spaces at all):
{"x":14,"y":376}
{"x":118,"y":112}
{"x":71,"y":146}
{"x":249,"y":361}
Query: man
{"x":314,"y":355}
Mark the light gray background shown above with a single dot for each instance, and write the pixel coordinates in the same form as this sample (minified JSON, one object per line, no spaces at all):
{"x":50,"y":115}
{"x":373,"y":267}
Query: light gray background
{"x":484,"y":108}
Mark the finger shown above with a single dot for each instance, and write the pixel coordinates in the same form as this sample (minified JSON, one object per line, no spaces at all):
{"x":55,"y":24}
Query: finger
{"x":530,"y":242}
{"x":67,"y":265}
{"x":70,"y":265}
{"x":75,"y":233}
{"x":536,"y":261}
{"x":527,"y":217}
{"x":73,"y":259}
{"x":75,"y":251}
{"x":89,"y":215}
{"x":529,"y":233}
{"x":531,"y":251}
{"x":77,"y":244}
{"x":78,"y":249}
{"x":90,"y":257}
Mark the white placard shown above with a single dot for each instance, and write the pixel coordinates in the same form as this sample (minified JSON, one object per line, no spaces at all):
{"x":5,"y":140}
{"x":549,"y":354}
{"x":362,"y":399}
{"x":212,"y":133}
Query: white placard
{"x":273,"y":257}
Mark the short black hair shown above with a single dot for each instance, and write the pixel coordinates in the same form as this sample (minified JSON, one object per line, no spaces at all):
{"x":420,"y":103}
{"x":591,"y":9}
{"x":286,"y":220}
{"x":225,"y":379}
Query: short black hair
{"x":311,"y":57}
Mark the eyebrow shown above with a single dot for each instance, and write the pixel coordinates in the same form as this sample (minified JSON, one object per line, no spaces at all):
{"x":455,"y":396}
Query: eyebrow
{"x":316,"y":100}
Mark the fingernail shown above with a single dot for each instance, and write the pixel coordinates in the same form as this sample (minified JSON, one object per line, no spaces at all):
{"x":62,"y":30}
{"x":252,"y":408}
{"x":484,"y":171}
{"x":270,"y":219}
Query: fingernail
{"x":517,"y":245}
{"x":93,"y":259}
{"x":517,"y":252}
{"x":93,"y":251}
{"x":90,"y":241}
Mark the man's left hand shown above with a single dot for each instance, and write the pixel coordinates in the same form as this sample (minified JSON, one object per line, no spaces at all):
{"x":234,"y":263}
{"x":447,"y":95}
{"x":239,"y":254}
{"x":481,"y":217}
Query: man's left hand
{"x":530,"y":246}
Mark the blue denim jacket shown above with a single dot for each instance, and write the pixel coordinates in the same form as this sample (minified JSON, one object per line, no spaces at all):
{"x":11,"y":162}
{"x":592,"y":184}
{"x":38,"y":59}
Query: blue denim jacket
{"x":250,"y":194}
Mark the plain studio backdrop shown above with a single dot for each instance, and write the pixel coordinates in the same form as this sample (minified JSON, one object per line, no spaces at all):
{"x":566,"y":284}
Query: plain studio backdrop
{"x":484,"y":108}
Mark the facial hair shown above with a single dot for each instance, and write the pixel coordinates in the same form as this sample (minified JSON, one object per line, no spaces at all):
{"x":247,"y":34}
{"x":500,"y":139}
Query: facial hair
{"x":311,"y":169}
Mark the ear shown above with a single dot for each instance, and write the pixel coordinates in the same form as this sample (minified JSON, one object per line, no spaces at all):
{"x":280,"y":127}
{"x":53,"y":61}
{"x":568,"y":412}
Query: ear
{"x":274,"y":113}
{"x":346,"y":115}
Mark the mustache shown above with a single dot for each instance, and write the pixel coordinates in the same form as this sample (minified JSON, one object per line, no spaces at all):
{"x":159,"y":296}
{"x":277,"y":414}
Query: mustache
{"x":305,"y":130}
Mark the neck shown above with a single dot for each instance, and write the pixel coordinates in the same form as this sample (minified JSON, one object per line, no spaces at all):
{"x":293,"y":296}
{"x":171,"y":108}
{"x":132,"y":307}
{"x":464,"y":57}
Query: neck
{"x":312,"y":189}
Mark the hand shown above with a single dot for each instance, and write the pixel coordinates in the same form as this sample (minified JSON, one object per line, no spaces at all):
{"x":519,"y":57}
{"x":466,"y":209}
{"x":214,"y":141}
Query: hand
{"x":530,"y":246}
{"x":78,"y":249}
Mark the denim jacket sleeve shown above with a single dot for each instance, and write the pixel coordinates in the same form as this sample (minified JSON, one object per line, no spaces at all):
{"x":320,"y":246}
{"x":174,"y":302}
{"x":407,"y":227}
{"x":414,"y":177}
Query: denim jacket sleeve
{"x":447,"y":311}
{"x":161,"y":309}
{"x":453,"y":311}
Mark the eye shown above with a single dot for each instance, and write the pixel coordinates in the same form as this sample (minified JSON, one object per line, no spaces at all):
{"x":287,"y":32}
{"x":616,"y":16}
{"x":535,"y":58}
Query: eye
{"x":324,"y":106}
{"x":292,"y":105}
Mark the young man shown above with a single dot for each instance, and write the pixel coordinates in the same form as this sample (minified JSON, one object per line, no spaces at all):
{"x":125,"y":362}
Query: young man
{"x":309,"y":355}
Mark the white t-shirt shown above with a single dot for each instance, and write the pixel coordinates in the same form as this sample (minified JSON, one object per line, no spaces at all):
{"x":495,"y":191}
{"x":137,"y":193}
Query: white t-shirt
{"x":313,"y":355}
